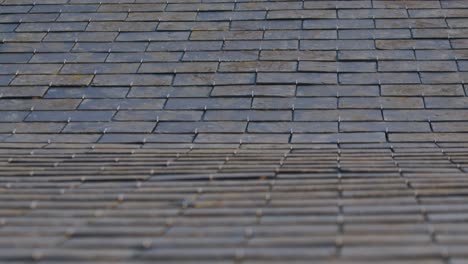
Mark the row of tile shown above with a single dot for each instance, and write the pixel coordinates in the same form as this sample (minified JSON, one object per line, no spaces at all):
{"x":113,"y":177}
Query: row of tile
{"x":237,"y":115}
{"x":241,"y":66}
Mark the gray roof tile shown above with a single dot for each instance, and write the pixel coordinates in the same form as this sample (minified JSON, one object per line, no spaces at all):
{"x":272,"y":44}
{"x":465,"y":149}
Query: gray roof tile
{"x":219,"y":131}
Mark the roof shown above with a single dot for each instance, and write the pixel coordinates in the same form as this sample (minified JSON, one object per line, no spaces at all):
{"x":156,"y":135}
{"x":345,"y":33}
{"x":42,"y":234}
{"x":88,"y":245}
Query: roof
{"x":220,"y":131}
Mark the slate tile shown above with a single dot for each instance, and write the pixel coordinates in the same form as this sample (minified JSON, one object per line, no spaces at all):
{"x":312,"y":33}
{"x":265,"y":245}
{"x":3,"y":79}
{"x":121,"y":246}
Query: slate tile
{"x":463,"y":65}
{"x":301,"y":14}
{"x":9,"y":18}
{"x":269,"y":6}
{"x":166,"y":91}
{"x":377,"y":102}
{"x":340,"y":44}
{"x":57,"y":138}
{"x":341,"y":137}
{"x":227,"y":16}
{"x":258,"y":66}
{"x":201,"y":45}
{"x":26,"y":91}
{"x":459,"y":43}
{"x":256,"y":90}
{"x":225,"y":35}
{"x":298,"y":103}
{"x":110,"y":104}
{"x":260,"y":45}
{"x":220,"y":56}
{"x":144,"y":57}
{"x":15,"y":9}
{"x":374,"y":54}
{"x":286,"y":253}
{"x":412,"y":43}
{"x":439,"y":54}
{"x":89,"y":92}
{"x":453,"y":4}
{"x":211,"y":79}
{"x":132,"y":79}
{"x":60,"y":116}
{"x":284,"y":55}
{"x":162,"y":16}
{"x":109,"y":46}
{"x":121,"y":26}
{"x":201,"y":127}
{"x":420,"y":137}
{"x":13,"y":116}
{"x":300,"y":34}
{"x":6,"y":79}
{"x":446,"y":102}
{"x":335,"y":115}
{"x":168,"y":253}
{"x":267,"y":24}
{"x":407,"y":4}
{"x":31,"y":127}
{"x":184,"y":26}
{"x":245,"y":138}
{"x":93,"y":16}
{"x":53,"y":80}
{"x":457,"y":22}
{"x":411,"y":23}
{"x":450,"y":126}
{"x":68,"y":57}
{"x":422,"y":89}
{"x":200,"y":7}
{"x":18,"y":68}
{"x":333,"y":90}
{"x":109,"y":127}
{"x":314,"y":66}
{"x":15,"y":57}
{"x":296,"y":77}
{"x":63,"y":8}
{"x":441,"y":78}
{"x":375,"y":78}
{"x":122,"y":7}
{"x":80,"y":36}
{"x":21,"y":37}
{"x":397,"y":251}
{"x":371,"y":13}
{"x":188,"y":67}
{"x":385,"y":126}
{"x":339,"y":5}
{"x":439,"y":33}
{"x":163,"y":115}
{"x":35,"y":46}
{"x":210,"y":103}
{"x":296,"y":127}
{"x":374,"y":34}
{"x":253,"y":115}
{"x":148,"y":138}
{"x":91,"y":68}
{"x":148,"y":36}
{"x":341,"y":23}
{"x":43,"y":104}
{"x":3,"y":137}
{"x":425,"y":115}
{"x":52,"y":27}
{"x":397,"y":66}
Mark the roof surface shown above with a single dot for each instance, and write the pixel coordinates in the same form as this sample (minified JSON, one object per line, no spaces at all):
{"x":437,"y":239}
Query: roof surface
{"x":220,"y":131}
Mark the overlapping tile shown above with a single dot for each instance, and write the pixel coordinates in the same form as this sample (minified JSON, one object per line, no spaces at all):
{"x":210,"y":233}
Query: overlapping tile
{"x":233,"y":131}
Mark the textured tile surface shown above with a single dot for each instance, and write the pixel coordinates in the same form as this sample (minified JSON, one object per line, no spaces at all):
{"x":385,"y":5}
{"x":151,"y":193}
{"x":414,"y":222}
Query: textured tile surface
{"x":222,"y":131}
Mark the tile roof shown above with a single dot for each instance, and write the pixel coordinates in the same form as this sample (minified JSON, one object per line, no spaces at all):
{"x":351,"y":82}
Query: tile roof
{"x":220,"y":131}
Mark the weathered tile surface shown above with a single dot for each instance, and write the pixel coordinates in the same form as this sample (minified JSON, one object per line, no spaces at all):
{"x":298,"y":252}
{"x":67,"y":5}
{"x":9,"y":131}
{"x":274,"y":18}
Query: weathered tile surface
{"x":253,"y":131}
